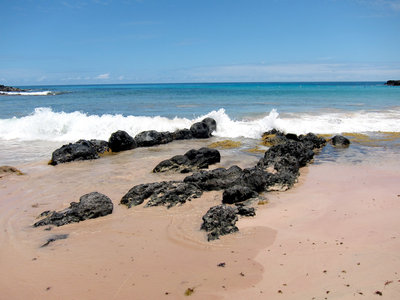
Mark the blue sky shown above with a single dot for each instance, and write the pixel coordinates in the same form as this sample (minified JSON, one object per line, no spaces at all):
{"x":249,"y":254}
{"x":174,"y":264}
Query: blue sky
{"x":144,"y":41}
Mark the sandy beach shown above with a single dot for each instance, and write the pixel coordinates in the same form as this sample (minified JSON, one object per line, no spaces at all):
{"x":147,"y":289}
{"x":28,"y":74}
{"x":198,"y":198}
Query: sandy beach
{"x":334,"y":235}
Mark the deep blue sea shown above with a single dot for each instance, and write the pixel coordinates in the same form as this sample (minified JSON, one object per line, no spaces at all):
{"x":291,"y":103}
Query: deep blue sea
{"x":67,"y":113}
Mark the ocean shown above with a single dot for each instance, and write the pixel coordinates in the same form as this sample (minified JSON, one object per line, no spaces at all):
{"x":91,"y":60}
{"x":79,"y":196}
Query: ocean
{"x":34,"y":123}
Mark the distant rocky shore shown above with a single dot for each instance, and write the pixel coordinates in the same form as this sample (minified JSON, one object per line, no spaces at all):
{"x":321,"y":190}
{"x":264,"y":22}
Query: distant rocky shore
{"x":277,"y":170}
{"x":4,"y":88}
{"x":393,"y":82}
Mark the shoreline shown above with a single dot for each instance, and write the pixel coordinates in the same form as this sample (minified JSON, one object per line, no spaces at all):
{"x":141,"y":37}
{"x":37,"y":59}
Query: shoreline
{"x":160,"y":250}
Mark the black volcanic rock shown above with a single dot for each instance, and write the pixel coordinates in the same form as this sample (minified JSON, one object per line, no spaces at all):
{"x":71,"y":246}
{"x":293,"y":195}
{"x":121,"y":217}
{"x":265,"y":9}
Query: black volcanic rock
{"x":203,"y":129}
{"x":100,"y":146}
{"x":276,"y":171}
{"x":214,"y":180}
{"x":167,"y":193}
{"x":191,"y":160}
{"x":81,"y":150}
{"x":219,"y":220}
{"x":151,"y":137}
{"x":211,"y":123}
{"x":393,"y":82}
{"x":121,"y":141}
{"x":237,"y":193}
{"x":245,"y":211}
{"x":90,"y":206}
{"x":312,"y":141}
{"x":200,"y":130}
{"x":340,"y":141}
{"x":183,"y":134}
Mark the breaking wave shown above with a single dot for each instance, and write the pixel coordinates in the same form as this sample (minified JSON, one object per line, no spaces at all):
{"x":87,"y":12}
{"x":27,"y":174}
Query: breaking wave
{"x":41,"y":93}
{"x":47,"y":125}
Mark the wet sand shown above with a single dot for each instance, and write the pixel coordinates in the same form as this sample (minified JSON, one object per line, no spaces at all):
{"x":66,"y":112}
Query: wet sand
{"x":335,"y":235}
{"x":338,"y":236}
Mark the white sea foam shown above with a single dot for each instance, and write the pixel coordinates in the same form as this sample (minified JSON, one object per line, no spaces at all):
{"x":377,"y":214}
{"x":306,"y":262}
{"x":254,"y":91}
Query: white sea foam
{"x":41,"y":93}
{"x":47,"y":125}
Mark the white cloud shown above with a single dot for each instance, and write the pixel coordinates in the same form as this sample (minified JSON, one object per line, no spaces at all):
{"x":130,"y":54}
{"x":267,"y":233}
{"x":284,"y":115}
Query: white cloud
{"x":103,"y":76}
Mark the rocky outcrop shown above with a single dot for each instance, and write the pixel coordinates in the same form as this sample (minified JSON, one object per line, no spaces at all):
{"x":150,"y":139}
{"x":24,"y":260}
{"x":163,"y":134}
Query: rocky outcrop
{"x":340,"y":141}
{"x":393,"y":82}
{"x":90,"y":206}
{"x":277,"y":170}
{"x":81,"y":150}
{"x":219,"y":220}
{"x":4,"y":88}
{"x":152,"y":137}
{"x":191,"y":160}
{"x":121,"y":141}
{"x":166,"y":193}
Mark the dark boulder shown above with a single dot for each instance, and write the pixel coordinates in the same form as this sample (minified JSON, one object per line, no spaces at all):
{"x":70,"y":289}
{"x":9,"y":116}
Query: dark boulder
{"x":219,"y":220}
{"x":292,"y":136}
{"x":312,"y":141}
{"x":101,"y":146}
{"x":151,"y":137}
{"x":217,"y":179}
{"x":191,"y":160}
{"x":90,"y":206}
{"x":211,"y":123}
{"x":121,"y":141}
{"x":254,"y":178}
{"x":292,"y":148}
{"x":81,"y":150}
{"x":237,"y":193}
{"x":200,"y":130}
{"x":167,"y":193}
{"x":182,"y":134}
{"x":273,"y":137}
{"x":340,"y":141}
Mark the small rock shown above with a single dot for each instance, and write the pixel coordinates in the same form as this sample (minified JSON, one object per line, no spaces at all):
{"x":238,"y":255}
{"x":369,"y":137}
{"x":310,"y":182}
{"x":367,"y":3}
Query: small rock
{"x":219,"y":220}
{"x":90,"y":206}
{"x":191,"y":160}
{"x":340,"y":141}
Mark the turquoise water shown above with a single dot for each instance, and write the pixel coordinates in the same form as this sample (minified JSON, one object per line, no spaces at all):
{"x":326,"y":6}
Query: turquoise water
{"x":64,"y":114}
{"x":240,"y":100}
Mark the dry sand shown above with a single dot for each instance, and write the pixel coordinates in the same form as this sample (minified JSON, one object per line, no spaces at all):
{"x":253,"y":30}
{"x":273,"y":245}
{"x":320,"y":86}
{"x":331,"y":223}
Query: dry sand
{"x":335,"y":235}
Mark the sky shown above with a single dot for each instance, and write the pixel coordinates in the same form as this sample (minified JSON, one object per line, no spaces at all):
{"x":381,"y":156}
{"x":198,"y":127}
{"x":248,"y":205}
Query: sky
{"x":156,"y":41}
